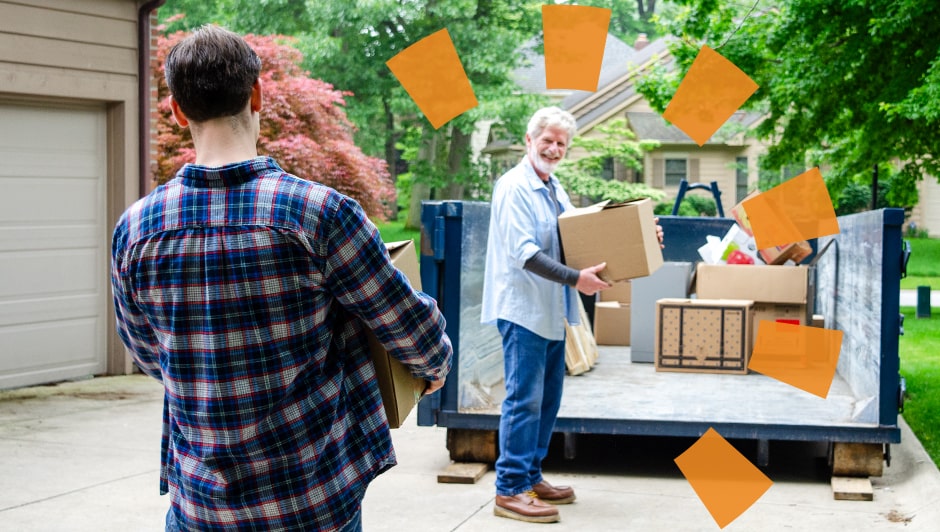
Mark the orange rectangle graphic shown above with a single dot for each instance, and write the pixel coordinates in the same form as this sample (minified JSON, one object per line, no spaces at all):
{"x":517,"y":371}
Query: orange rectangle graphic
{"x":575,"y":38}
{"x":432,"y":74}
{"x":801,"y":356}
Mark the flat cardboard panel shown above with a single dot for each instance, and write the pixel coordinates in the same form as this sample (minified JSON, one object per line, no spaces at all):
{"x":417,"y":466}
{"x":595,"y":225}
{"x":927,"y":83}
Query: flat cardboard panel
{"x":623,"y":235}
{"x":768,"y":284}
{"x":580,"y":346}
{"x":400,"y":390}
{"x":670,"y":281}
{"x":620,"y":292}
{"x":612,"y":323}
{"x":703,"y":335}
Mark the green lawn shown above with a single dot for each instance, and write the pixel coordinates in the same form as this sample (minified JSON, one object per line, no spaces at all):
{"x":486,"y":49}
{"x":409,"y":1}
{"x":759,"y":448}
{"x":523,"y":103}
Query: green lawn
{"x":923,"y":268}
{"x":395,"y":231}
{"x":920,"y":366}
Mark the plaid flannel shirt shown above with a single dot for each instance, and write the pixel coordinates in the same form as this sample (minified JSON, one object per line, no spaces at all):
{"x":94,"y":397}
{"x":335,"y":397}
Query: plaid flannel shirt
{"x":238,"y":288}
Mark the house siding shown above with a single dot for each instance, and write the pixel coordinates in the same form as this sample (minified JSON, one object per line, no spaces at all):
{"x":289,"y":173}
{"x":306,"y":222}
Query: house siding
{"x":926,"y":215}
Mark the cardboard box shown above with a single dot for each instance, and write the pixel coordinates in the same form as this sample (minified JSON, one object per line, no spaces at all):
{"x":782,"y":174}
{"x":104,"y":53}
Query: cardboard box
{"x":400,"y":390}
{"x":704,"y":335}
{"x":796,"y":251}
{"x":670,"y":281}
{"x":768,"y":284}
{"x":612,"y":323}
{"x":620,"y":291}
{"x":780,"y":293}
{"x":622,"y":234}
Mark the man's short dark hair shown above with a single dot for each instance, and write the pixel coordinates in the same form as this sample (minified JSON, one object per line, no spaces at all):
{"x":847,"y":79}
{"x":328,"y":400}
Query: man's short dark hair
{"x":210,"y":73}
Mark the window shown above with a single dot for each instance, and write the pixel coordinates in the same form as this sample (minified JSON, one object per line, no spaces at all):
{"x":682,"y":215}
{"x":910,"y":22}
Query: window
{"x":676,"y":171}
{"x":740,"y":179}
{"x":607,"y":170}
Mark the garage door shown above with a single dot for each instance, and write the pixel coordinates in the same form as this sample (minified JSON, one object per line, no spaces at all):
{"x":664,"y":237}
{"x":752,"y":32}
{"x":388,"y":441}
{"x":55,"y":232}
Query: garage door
{"x":53,"y":243}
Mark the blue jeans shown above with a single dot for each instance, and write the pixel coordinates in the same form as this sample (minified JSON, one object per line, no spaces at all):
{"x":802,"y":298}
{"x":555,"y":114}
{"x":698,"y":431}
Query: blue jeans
{"x":535,"y":374}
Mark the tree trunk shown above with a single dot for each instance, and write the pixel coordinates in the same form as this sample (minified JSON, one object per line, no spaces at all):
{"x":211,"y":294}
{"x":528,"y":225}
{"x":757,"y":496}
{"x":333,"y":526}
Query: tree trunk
{"x":645,"y":8}
{"x":420,"y":188}
{"x":457,"y":158}
{"x":391,"y":154}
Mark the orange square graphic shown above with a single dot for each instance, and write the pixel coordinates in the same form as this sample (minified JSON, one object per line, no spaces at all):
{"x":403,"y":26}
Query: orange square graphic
{"x":796,"y":210}
{"x":575,"y":37}
{"x":801,"y":356}
{"x":724,"y":480}
{"x":432,"y":74}
{"x":712,"y":90}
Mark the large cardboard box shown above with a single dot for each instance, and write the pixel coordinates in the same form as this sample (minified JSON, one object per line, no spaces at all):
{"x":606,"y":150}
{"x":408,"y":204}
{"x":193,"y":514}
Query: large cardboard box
{"x":670,"y":281}
{"x":704,"y":335}
{"x":781,"y":292}
{"x":612,"y":323}
{"x":621,"y":234}
{"x":400,"y":390}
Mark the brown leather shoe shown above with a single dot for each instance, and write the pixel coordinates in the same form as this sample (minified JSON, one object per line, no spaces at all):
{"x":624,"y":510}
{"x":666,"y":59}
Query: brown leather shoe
{"x":554,"y":494}
{"x":525,"y":507}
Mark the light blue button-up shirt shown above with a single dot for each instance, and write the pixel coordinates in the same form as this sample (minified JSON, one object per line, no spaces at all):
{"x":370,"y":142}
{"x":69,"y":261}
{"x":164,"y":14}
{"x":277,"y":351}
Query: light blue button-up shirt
{"x":523,"y":221}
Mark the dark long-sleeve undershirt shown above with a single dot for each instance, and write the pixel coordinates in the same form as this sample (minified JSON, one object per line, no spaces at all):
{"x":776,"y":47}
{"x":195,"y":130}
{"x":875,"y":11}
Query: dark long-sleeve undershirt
{"x":544,"y":266}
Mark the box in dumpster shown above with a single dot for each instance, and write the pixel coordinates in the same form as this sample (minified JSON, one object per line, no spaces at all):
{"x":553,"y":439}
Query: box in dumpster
{"x":400,"y":390}
{"x":704,"y":335}
{"x":621,"y":234}
{"x":784,"y":286}
{"x":612,"y":323}
{"x":670,"y":281}
{"x":619,"y":292}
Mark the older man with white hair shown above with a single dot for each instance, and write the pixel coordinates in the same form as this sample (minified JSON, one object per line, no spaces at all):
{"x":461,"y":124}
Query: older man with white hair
{"x":529,"y":293}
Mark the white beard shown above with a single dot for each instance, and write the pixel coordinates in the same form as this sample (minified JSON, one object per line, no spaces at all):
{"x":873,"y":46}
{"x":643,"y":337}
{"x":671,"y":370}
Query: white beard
{"x":541,"y":164}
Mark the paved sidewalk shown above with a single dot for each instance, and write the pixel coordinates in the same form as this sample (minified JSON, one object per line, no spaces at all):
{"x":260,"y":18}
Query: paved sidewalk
{"x":84,"y":456}
{"x":909,"y":298}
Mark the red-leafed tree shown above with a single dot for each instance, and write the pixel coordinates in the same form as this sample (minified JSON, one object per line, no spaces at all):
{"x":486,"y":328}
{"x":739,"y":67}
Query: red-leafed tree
{"x":303,"y":126}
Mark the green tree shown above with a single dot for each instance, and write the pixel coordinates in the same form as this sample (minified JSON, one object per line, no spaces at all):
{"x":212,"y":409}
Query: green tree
{"x":348,"y":43}
{"x":845,"y":84}
{"x":303,"y":126}
{"x":629,"y":18}
{"x":582,"y":177}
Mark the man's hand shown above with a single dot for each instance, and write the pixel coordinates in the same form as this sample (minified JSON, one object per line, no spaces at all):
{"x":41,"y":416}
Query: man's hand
{"x":659,"y":232}
{"x":434,"y":386}
{"x":588,"y":281}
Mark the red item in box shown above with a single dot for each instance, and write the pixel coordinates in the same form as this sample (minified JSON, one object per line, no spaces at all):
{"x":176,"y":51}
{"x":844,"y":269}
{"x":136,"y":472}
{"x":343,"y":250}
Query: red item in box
{"x":739,"y":257}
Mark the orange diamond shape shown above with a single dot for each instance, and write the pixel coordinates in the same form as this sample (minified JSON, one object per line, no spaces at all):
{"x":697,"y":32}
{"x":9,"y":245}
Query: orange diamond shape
{"x":712,"y":90}
{"x":575,"y":37}
{"x":431,"y":73}
{"x":798,"y":209}
{"x":804,"y":357}
{"x":724,"y":480}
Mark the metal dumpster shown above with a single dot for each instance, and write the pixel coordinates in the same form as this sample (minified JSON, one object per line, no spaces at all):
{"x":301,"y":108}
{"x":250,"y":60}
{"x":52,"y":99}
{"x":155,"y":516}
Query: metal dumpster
{"x":857,"y":290}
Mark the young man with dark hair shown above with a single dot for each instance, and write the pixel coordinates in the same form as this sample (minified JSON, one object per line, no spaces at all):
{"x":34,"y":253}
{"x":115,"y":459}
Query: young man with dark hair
{"x":241,"y":288}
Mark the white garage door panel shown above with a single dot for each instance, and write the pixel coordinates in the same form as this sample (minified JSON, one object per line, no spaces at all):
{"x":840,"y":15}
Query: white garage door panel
{"x":51,"y":237}
{"x":45,"y":128}
{"x":53,"y":242}
{"x":36,"y":310}
{"x":44,"y":273}
{"x":49,"y":200}
{"x":50,"y":351}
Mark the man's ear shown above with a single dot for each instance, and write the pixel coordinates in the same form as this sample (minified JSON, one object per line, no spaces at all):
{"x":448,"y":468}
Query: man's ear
{"x":178,"y":113}
{"x":256,"y":96}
